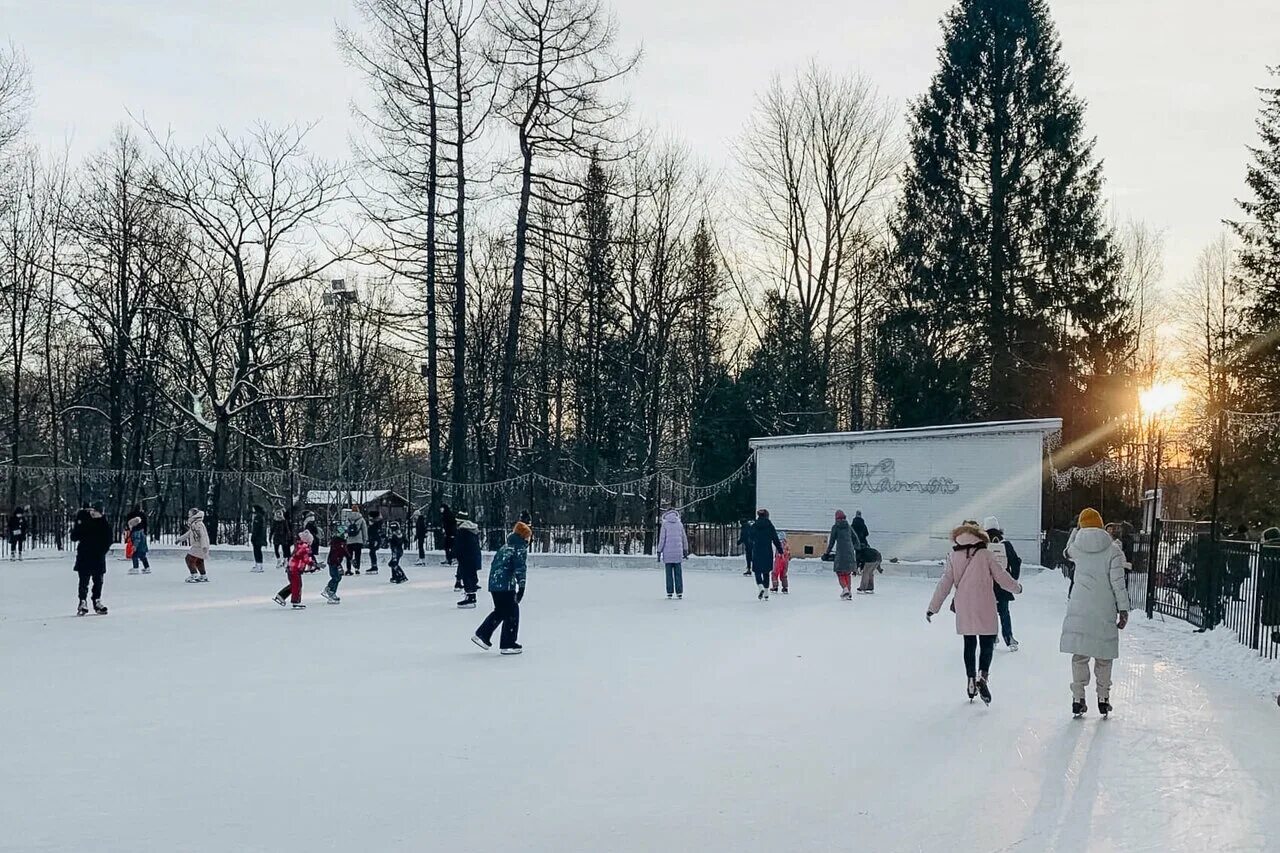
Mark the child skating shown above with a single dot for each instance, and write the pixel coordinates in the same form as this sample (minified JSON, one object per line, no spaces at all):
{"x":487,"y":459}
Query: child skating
{"x":781,"y":563}
{"x":298,"y":563}
{"x":506,"y":584}
{"x":396,"y":543}
{"x":1097,"y":610}
{"x":337,"y":556}
{"x":197,"y":541}
{"x":971,"y":572}
{"x":138,"y":541}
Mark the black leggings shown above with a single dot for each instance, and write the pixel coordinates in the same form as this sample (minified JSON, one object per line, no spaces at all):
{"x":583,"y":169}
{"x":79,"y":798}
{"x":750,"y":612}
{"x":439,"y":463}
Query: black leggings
{"x":282,"y":549}
{"x":85,"y":577}
{"x":257,"y":553}
{"x":987,"y":643}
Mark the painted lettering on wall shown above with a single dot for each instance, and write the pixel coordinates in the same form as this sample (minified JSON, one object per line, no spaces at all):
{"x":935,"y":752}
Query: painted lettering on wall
{"x":878,"y":478}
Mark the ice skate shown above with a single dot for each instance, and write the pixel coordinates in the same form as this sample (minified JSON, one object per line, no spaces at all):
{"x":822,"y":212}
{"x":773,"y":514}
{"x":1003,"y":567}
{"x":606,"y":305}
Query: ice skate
{"x":515,"y":649}
{"x":99,"y":608}
{"x":133,"y":571}
{"x":146,"y":570}
{"x":82,"y":609}
{"x":279,"y":600}
{"x":1104,"y":707}
{"x":257,"y":568}
{"x":845,"y":595}
{"x":1013,"y":645}
{"x":773,"y":589}
{"x":202,"y":578}
{"x":299,"y":606}
{"x":468,"y":602}
{"x":193,"y":579}
{"x":347,"y":573}
{"x":747,"y":573}
{"x":1079,"y":707}
{"x":420,"y":563}
{"x":333,"y":599}
{"x":279,"y":563}
{"x":972,"y":689}
{"x":668,"y":596}
{"x":786,"y":591}
{"x":983,"y":690}
{"x":484,"y":644}
{"x":680,"y":596}
{"x":372,"y":571}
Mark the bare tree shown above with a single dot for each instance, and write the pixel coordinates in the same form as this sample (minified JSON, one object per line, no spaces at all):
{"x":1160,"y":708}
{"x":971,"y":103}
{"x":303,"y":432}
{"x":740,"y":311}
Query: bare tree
{"x":15,"y":97}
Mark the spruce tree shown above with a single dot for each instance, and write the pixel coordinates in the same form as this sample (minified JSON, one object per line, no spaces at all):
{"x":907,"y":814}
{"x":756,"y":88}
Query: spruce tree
{"x":1007,"y":294}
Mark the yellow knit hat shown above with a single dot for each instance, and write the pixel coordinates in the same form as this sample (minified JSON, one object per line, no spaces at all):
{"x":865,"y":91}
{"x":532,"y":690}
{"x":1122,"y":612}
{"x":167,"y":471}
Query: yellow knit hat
{"x":1090,"y":518}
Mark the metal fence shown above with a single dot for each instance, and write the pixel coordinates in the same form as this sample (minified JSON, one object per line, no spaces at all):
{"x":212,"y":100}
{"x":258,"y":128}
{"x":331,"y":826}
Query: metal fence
{"x":1212,"y":584}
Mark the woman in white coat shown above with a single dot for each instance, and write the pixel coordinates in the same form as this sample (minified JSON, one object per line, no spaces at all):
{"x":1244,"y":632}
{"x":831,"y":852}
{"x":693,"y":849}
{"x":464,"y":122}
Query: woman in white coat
{"x":1096,"y":611}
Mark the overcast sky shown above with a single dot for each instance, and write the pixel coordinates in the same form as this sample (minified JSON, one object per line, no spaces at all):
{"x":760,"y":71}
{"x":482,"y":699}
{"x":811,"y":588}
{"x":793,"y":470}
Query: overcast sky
{"x":1169,"y":83}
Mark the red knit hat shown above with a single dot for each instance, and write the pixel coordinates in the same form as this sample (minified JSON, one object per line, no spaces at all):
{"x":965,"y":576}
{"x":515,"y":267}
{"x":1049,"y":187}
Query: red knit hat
{"x":840,"y":516}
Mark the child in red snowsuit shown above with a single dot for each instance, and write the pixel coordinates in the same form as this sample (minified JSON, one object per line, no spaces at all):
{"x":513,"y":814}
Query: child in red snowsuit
{"x":299,"y":562}
{"x":781,"y":561}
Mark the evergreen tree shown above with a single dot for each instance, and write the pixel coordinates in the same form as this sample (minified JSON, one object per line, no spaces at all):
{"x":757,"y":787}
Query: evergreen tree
{"x":1008,"y":291}
{"x":1259,"y":257}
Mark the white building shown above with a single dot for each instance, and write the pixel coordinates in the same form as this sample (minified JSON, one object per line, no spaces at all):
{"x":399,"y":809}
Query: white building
{"x":912,"y":485}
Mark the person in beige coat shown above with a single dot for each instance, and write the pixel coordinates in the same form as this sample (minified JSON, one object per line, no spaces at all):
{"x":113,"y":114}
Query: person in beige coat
{"x":197,"y":541}
{"x":1097,"y":609}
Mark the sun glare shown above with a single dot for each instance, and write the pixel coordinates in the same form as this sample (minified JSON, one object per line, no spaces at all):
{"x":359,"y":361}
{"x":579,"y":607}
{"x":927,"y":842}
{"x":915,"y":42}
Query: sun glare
{"x":1161,"y":398}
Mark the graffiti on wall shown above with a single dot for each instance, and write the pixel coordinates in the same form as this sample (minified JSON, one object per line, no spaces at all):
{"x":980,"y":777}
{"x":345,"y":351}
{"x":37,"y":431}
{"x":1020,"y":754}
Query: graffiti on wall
{"x":880,"y":478}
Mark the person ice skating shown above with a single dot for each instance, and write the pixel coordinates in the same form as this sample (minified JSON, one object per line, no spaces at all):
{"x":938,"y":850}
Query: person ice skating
{"x":93,"y":540}
{"x":673,"y":550}
{"x":744,"y":539}
{"x":868,"y":566}
{"x":466,"y":549}
{"x":764,"y":543}
{"x":781,"y":564}
{"x":1097,"y":609}
{"x":842,"y":550}
{"x":449,"y":527}
{"x":507,"y":575}
{"x":281,"y":538}
{"x":18,"y":525}
{"x":337,"y":556}
{"x":971,"y":571}
{"x":258,"y":535}
{"x":299,"y":562}
{"x":420,"y":536}
{"x":373,"y":541}
{"x":859,"y":527}
{"x":310,"y":525}
{"x":357,"y":529}
{"x":197,"y":541}
{"x":1007,"y":558}
{"x":396,"y":542}
{"x":138,"y":539}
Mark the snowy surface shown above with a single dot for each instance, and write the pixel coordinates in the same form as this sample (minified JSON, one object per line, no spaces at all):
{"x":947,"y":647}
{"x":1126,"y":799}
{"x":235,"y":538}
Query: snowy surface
{"x":205,"y":718}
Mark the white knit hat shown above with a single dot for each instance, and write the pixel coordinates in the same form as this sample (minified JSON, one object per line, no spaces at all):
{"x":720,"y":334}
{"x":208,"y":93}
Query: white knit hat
{"x":991,"y":523}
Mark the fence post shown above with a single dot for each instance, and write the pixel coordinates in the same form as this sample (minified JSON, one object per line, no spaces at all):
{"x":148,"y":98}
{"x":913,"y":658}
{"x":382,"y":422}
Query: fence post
{"x":1153,"y":560}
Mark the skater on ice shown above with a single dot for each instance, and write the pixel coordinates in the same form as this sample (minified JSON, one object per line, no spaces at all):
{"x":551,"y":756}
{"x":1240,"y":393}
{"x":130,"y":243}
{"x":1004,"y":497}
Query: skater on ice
{"x":507,"y":575}
{"x":258,"y":535}
{"x":138,"y":540}
{"x":374,"y":536}
{"x":93,"y":540}
{"x":764,"y":544}
{"x":309,"y":524}
{"x":971,"y":571}
{"x":420,"y":536}
{"x":1007,"y":558}
{"x":18,"y":526}
{"x":281,"y":537}
{"x":859,"y":527}
{"x":781,"y":564}
{"x":197,"y":541}
{"x":396,"y":544}
{"x":449,"y":526}
{"x":842,"y":549}
{"x":868,"y":565}
{"x":337,"y":556}
{"x":1097,"y":610}
{"x":466,"y":548}
{"x":300,"y":562}
{"x":744,"y":539}
{"x":357,"y":530}
{"x":673,"y":550}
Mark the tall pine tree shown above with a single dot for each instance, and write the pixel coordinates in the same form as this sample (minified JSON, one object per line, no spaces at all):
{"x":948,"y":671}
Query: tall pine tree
{"x":1007,"y":295}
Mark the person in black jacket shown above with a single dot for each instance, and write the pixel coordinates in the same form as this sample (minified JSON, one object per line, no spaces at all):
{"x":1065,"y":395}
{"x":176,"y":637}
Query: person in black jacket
{"x":764,"y":539}
{"x":1008,"y":559}
{"x":466,"y":547}
{"x":17,"y":533}
{"x":281,"y":538}
{"x":420,"y":536}
{"x":744,"y":539}
{"x":258,"y":535}
{"x":859,"y":526}
{"x":449,"y":525}
{"x":375,"y":532}
{"x":93,"y":540}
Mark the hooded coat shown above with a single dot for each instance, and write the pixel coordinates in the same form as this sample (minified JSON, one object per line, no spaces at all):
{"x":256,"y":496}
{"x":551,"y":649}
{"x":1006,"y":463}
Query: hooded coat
{"x":764,"y":541}
{"x":673,"y":545}
{"x":1097,"y":595}
{"x":507,"y":572}
{"x":842,"y":543}
{"x":466,"y":546}
{"x":357,"y":528}
{"x":258,"y":530}
{"x":971,"y":572}
{"x":197,"y":537}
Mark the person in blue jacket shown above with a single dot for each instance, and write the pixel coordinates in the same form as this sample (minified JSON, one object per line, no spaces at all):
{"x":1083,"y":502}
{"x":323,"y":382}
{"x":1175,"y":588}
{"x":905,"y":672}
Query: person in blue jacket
{"x":506,"y":585}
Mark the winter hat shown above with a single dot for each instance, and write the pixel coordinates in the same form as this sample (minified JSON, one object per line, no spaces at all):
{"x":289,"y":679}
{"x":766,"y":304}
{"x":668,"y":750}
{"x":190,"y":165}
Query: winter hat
{"x":991,"y":523}
{"x":971,"y":529}
{"x":194,"y":514}
{"x":840,"y":516}
{"x":278,"y":515}
{"x":133,"y":522}
{"x":523,"y":530}
{"x":305,"y":536}
{"x":1090,"y":518}
{"x":762,"y":513}
{"x":99,"y":506}
{"x":463,"y":515}
{"x":782,"y":536}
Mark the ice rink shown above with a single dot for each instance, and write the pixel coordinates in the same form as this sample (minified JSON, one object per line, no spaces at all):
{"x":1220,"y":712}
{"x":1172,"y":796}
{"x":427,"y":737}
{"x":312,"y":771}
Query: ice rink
{"x":206,"y":718}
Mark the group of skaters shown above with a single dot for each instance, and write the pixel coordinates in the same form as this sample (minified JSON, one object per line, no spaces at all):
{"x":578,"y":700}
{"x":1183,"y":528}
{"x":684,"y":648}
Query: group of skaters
{"x":768,"y":554}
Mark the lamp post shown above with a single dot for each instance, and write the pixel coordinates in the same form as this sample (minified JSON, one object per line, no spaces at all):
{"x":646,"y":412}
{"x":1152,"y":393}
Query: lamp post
{"x":1157,"y":401}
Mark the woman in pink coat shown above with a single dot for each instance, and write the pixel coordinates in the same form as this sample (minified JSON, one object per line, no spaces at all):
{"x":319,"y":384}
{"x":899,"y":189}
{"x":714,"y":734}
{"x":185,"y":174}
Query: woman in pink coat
{"x":971,"y":570}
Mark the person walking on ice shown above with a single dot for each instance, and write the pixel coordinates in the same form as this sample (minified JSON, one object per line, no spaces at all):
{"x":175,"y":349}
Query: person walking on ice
{"x":197,"y":541}
{"x":1097,"y":610}
{"x":17,"y":533}
{"x":466,"y":548}
{"x":258,"y":536}
{"x":1007,"y":559}
{"x":93,"y":539}
{"x":507,"y":576}
{"x":298,"y":563}
{"x":842,"y":543}
{"x":337,"y":555}
{"x":138,"y":539}
{"x":281,"y":537}
{"x":764,"y":544}
{"x":673,"y":550}
{"x":971,"y":571}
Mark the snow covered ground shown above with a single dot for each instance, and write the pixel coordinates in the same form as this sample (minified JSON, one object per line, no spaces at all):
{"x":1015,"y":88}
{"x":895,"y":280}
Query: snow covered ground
{"x":205,"y":718}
